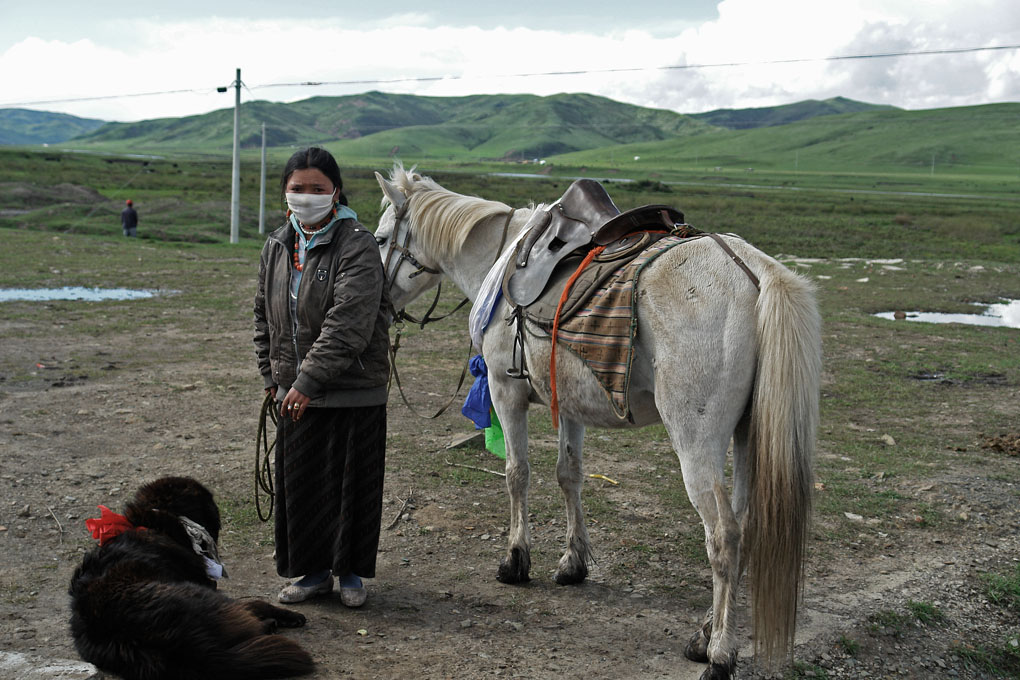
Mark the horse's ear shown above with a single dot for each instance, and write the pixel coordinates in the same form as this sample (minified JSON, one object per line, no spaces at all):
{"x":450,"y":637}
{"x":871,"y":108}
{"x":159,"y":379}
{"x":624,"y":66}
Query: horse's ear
{"x":390,"y":190}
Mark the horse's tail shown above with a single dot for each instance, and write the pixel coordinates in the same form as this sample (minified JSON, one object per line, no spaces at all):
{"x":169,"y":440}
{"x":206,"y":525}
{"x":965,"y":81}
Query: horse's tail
{"x":784,"y":421}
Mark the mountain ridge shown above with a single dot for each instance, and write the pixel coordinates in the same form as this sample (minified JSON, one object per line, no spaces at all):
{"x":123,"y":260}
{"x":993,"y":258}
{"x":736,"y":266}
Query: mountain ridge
{"x":582,"y":130}
{"x":27,"y":126}
{"x":784,"y":114}
{"x":484,"y":121}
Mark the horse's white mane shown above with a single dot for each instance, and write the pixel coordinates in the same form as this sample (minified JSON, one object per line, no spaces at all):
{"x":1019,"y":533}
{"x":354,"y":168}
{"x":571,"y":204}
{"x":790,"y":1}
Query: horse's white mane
{"x":450,"y":216}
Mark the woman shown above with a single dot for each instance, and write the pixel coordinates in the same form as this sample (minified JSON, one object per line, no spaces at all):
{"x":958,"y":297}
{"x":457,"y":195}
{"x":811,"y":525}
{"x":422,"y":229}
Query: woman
{"x":321,"y":338}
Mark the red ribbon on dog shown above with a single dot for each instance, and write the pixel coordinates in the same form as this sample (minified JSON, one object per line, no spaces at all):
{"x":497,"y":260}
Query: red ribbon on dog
{"x":108,"y":525}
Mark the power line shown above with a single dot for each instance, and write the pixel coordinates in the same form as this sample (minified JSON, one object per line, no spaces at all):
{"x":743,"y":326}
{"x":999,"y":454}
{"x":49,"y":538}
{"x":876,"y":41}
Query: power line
{"x":70,"y":100}
{"x":425,"y":79}
{"x":677,"y":67}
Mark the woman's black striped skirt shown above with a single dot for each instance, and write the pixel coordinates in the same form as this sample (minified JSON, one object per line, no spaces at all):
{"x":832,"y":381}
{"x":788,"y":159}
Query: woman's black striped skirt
{"x":329,"y":482}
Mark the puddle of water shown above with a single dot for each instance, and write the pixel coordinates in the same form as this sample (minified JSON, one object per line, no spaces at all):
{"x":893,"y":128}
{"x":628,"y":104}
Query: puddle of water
{"x":1005,"y":314}
{"x":73,"y":293}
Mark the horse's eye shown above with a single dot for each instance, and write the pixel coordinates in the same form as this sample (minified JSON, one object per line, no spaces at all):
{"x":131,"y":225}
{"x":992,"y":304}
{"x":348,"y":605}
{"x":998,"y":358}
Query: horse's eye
{"x":380,"y":240}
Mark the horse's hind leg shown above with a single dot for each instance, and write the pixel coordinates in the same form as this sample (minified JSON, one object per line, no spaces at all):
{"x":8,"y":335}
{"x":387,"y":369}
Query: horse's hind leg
{"x":701,"y":460}
{"x":697,"y":646}
{"x":573,"y":566}
{"x":722,"y":540}
{"x":512,"y":411}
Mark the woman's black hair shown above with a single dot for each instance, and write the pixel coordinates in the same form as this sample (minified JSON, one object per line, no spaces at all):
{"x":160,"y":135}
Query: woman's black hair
{"x":319,"y":159}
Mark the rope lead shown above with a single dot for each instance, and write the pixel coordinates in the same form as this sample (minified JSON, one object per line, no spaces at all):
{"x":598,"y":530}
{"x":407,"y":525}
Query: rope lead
{"x":263,"y":466}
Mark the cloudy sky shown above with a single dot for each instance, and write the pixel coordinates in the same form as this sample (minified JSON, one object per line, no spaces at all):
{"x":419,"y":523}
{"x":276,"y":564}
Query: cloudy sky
{"x":104,"y":58}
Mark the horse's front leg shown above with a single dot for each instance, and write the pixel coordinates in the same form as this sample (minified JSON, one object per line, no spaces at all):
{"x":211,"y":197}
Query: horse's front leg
{"x":573,"y":566}
{"x":512,"y":411}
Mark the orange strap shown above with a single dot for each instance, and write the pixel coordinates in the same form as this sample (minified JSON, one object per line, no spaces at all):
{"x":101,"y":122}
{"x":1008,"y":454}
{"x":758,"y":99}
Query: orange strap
{"x":554,"y":401}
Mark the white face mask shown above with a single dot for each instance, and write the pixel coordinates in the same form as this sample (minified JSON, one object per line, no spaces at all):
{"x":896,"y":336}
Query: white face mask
{"x":310,"y":208}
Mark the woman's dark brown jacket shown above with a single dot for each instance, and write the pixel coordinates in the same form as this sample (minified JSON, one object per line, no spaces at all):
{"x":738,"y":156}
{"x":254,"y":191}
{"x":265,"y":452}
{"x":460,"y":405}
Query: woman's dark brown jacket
{"x":337,"y":352}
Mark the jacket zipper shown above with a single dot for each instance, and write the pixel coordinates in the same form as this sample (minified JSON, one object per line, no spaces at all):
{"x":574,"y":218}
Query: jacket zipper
{"x":294,"y":322}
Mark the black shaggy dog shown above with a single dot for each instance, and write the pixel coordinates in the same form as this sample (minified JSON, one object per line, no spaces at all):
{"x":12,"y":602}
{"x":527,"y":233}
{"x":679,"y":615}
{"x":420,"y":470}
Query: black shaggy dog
{"x":144,"y":607}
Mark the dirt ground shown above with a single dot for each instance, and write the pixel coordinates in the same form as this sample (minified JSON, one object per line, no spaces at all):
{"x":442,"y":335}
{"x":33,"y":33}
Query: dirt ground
{"x":435,"y":609}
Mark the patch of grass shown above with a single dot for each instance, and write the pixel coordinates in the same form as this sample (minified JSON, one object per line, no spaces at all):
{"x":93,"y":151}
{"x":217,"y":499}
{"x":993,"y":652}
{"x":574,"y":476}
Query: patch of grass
{"x":1004,"y":589}
{"x":1001,"y":661}
{"x":926,"y":613}
{"x":896,"y":623}
{"x":240,"y":520}
{"x":848,"y":646}
{"x":928,"y":516}
{"x":889,"y":622}
{"x":799,"y":669}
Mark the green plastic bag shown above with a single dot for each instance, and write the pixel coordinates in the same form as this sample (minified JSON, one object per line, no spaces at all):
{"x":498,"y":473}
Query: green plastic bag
{"x":494,"y":437}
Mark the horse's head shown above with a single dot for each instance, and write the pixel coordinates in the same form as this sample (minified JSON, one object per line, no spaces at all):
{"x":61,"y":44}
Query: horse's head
{"x":411,"y":269}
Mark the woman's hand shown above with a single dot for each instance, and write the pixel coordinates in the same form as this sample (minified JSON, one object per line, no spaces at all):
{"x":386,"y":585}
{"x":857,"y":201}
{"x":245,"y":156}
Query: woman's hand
{"x":294,"y":404}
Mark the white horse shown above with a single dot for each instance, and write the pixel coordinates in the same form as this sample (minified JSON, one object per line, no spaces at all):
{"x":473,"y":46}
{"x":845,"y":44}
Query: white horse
{"x":714,"y":359}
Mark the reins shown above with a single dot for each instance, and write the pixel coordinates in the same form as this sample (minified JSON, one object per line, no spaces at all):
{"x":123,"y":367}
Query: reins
{"x":395,"y":375}
{"x":401,"y":315}
{"x":263,"y":466}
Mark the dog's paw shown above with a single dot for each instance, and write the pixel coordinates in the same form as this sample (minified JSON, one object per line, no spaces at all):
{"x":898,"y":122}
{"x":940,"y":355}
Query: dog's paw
{"x":286,"y":618}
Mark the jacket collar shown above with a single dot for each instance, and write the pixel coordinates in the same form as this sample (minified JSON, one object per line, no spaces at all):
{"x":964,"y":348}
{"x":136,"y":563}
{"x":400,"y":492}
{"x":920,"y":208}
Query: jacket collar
{"x":285,"y":234}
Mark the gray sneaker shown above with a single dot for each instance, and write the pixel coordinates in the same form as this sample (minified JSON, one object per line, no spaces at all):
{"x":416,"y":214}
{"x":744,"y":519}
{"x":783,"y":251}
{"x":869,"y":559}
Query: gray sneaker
{"x":353,"y":597}
{"x":295,"y":593}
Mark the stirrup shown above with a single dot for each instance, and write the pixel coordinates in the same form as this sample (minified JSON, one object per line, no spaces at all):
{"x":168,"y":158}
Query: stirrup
{"x":518,"y":370}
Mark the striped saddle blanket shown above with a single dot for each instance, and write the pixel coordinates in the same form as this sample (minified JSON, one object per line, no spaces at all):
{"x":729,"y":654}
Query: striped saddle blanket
{"x":602,"y":330}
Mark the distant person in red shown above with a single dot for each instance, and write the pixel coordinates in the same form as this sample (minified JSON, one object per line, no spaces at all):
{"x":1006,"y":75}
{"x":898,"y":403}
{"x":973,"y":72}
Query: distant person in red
{"x":129,"y":219}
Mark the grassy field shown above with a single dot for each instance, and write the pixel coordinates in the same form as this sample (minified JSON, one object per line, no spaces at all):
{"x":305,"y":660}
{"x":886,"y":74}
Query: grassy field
{"x":807,"y":214}
{"x":955,"y":251}
{"x":902,"y":403}
{"x":966,"y":140}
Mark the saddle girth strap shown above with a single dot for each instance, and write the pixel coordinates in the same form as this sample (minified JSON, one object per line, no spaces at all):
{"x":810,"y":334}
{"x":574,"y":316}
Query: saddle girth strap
{"x":733,"y":256}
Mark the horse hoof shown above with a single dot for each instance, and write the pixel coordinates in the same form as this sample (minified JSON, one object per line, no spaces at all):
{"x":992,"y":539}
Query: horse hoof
{"x":569,"y":578}
{"x":697,"y":647}
{"x":716,"y":671}
{"x":515,"y":568}
{"x":507,"y":574}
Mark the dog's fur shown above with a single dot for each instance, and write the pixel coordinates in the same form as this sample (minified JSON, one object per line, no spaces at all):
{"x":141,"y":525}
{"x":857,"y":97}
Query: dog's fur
{"x":142,"y":606}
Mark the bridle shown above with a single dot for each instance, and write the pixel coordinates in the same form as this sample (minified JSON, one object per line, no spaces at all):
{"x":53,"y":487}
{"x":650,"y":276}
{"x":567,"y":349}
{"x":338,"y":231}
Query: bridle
{"x":399,"y":220}
{"x":391,"y":267}
{"x":399,"y":240}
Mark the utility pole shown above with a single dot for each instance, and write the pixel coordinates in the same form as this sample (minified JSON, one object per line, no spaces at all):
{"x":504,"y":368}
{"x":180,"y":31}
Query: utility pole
{"x":235,"y":190}
{"x":262,"y":186}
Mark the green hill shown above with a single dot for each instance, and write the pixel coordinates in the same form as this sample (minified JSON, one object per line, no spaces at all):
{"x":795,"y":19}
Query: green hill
{"x":376,"y":124}
{"x":25,"y":126}
{"x":743,"y":119}
{"x":975,"y":139}
{"x":581,"y":130}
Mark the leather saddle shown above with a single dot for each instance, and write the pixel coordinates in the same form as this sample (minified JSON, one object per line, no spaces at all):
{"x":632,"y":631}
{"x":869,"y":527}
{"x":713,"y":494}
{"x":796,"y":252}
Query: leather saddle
{"x":584,"y":217}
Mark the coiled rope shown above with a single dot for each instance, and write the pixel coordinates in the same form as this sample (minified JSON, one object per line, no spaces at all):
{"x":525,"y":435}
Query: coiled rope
{"x":263,"y":465}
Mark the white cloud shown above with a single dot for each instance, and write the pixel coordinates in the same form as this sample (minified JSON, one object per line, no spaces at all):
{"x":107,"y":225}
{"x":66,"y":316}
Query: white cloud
{"x":200,"y":55}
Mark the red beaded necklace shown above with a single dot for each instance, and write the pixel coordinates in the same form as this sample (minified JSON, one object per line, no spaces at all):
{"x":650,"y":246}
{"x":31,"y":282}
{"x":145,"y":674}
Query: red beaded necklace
{"x":297,"y":242}
{"x":297,"y":258}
